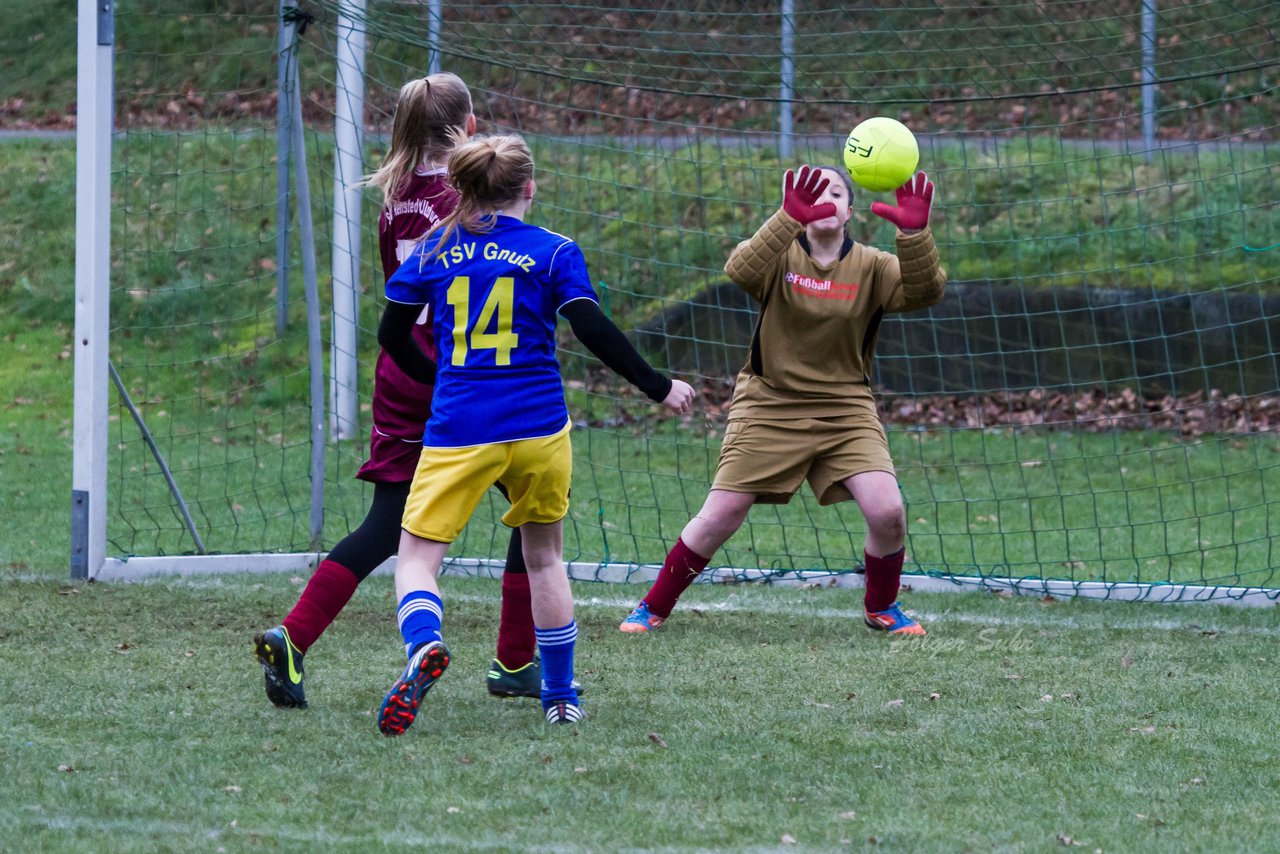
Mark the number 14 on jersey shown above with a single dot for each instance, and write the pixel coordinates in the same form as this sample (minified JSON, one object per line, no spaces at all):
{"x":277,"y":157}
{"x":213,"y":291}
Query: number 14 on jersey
{"x":496,"y":312}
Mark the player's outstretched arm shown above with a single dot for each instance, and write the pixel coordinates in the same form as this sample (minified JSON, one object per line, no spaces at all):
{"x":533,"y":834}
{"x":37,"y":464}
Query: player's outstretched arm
{"x":395,"y":334}
{"x":607,"y":343}
{"x":922,"y":278}
{"x":753,"y":262}
{"x":915,"y":201}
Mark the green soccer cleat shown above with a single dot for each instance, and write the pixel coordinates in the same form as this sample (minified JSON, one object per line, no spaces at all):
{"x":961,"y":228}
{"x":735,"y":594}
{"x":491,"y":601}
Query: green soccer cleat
{"x":281,"y":668}
{"x":522,"y":682}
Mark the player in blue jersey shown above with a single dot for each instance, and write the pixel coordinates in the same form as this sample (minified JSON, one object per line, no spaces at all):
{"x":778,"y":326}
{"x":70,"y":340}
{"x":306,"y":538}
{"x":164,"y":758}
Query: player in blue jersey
{"x":496,"y":285}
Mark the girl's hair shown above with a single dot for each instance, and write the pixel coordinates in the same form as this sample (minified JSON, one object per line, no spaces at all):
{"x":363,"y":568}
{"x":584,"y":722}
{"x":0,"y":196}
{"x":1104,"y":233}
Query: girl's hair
{"x":428,"y":111}
{"x":489,"y":172}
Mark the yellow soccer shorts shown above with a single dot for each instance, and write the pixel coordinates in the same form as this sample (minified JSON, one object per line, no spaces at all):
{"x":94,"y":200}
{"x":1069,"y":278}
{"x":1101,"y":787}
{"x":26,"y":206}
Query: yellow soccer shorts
{"x":449,"y":483}
{"x":772,"y":458}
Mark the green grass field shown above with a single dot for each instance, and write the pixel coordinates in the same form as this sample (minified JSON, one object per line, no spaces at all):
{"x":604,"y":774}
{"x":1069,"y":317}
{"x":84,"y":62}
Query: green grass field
{"x":133,"y":719}
{"x":760,"y":718}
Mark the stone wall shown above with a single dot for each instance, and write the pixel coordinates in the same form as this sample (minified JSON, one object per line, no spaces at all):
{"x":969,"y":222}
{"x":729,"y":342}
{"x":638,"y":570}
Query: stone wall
{"x":987,"y":336}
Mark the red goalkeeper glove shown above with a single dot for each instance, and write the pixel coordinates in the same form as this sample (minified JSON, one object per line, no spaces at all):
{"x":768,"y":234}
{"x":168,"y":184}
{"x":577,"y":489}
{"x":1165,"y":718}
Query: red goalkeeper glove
{"x":801,"y":193}
{"x":915,"y":198}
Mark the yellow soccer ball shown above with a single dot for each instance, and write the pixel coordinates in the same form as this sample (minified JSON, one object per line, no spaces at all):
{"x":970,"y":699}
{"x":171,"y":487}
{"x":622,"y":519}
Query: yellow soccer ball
{"x":881,"y":154}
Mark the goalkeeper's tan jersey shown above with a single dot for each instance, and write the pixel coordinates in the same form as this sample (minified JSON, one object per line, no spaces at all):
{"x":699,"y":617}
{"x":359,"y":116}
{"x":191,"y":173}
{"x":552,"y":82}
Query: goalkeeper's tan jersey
{"x":815,"y":338}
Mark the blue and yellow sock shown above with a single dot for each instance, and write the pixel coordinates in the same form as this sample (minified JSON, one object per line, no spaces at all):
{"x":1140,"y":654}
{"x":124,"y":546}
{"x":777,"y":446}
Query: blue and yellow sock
{"x":419,"y":615}
{"x":556,"y":648}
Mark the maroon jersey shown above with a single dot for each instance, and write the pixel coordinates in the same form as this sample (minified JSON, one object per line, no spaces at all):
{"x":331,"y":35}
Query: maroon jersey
{"x":402,"y":405}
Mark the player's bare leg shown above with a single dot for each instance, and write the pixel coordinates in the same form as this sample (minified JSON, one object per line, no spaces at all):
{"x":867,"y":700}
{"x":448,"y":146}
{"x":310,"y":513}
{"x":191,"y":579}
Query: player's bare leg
{"x":880,"y":501}
{"x":722,"y":514}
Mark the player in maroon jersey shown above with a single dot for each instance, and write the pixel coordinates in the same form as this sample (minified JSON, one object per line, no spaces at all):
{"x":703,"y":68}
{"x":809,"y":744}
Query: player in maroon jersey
{"x":416,"y":196}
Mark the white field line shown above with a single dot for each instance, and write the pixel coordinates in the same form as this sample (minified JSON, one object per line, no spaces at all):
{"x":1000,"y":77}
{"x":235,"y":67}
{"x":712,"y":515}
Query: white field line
{"x":115,"y":569}
{"x":939,"y":620}
{"x":735,"y":602}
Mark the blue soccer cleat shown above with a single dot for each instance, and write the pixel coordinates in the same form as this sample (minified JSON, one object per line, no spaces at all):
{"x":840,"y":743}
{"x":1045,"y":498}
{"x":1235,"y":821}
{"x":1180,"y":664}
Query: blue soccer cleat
{"x":641,"y":620}
{"x":893,"y":621}
{"x":400,"y":707}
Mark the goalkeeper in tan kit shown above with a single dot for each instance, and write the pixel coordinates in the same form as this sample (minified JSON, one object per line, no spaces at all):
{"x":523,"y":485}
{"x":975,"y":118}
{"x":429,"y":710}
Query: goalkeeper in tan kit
{"x":802,"y":408}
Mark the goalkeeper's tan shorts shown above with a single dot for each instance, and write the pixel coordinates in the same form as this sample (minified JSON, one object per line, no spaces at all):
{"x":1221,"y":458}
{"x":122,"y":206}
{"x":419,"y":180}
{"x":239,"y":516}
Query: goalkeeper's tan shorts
{"x":772,"y":458}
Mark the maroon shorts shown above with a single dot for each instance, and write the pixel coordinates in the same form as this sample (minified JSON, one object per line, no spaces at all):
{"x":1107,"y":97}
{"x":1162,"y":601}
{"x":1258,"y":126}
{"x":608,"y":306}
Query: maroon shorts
{"x":401,"y":407}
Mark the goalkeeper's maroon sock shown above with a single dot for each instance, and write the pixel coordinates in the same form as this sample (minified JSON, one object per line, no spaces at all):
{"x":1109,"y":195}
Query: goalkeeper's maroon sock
{"x":326,"y":594}
{"x":678,"y":571}
{"x":884,"y":576}
{"x":515,"y":625}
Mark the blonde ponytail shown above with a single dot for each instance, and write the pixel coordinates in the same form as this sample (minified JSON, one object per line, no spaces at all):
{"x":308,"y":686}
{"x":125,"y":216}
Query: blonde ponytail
{"x":428,"y":112}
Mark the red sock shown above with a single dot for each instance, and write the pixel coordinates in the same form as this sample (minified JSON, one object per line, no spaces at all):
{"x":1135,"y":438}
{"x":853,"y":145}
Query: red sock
{"x":884,"y":576}
{"x":678,"y":571}
{"x":515,"y":626}
{"x":327,"y":593}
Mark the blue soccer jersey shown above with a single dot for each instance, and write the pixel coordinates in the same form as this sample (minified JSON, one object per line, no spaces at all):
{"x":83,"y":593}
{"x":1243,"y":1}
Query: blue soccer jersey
{"x":495,"y":297}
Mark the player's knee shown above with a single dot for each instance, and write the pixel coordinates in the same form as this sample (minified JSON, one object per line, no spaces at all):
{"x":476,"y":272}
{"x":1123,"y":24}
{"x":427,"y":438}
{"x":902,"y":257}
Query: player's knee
{"x":888,"y":522}
{"x":722,"y":523}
